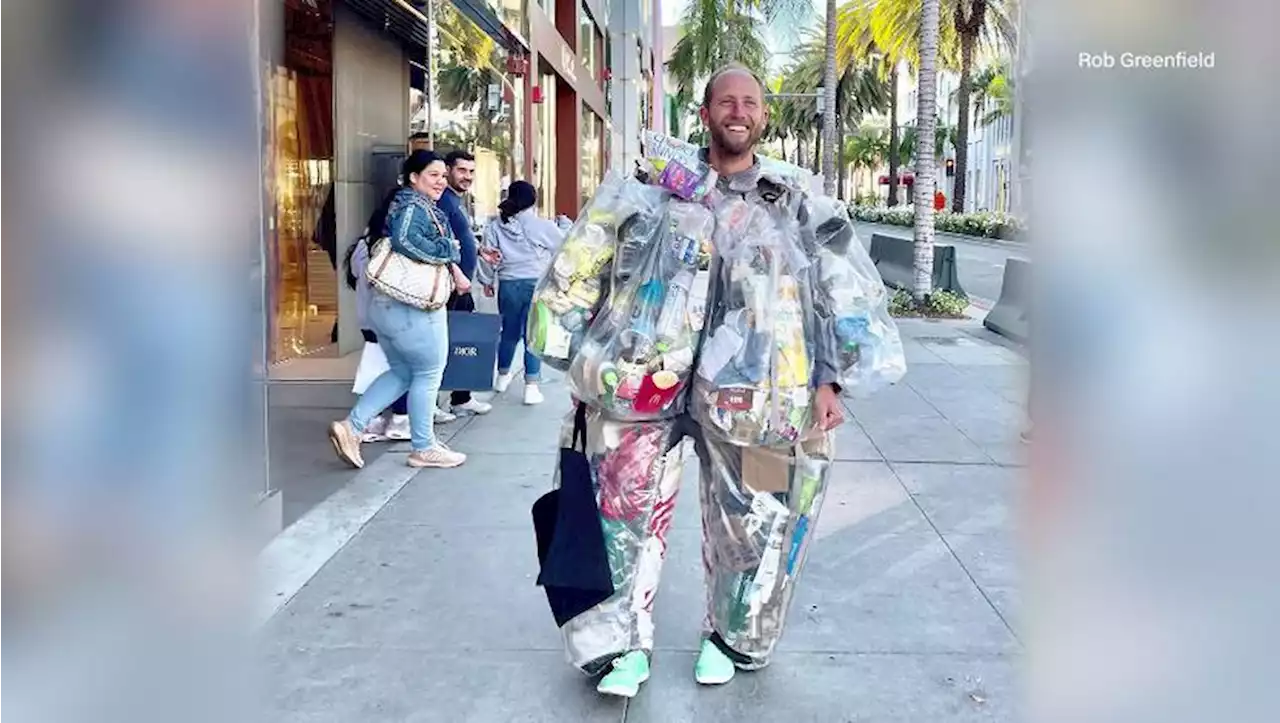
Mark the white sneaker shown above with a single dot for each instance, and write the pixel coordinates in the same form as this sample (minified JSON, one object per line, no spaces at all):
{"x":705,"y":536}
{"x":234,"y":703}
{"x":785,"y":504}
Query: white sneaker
{"x":532,"y":395}
{"x":376,"y":430}
{"x":475,"y":406}
{"x":443,"y":417}
{"x":398,"y":429}
{"x":503,"y":381}
{"x":438,"y":456}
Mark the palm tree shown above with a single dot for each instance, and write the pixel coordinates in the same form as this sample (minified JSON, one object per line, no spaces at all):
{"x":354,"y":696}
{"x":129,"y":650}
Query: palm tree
{"x":926,"y":164}
{"x":866,"y":149}
{"x":993,"y":83}
{"x":860,"y":89}
{"x":859,"y":23}
{"x":829,"y":104}
{"x":467,"y":68}
{"x":894,"y":25}
{"x":714,"y":33}
{"x":943,"y":135}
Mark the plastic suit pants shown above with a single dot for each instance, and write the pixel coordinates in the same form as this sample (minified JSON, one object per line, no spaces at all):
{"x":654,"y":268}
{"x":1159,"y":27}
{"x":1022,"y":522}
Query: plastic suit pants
{"x":759,"y":508}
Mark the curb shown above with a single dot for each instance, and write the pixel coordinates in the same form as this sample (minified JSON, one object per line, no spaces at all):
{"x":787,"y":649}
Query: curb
{"x":298,"y":552}
{"x":295,"y":555}
{"x":979,"y":240}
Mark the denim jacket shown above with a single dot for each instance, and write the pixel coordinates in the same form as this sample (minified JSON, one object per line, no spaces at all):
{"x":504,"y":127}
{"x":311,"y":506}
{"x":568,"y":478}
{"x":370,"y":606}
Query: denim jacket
{"x":420,"y":230}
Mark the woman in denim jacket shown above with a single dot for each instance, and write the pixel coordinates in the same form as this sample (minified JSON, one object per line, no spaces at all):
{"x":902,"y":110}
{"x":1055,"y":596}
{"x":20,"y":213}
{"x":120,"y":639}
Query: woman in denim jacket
{"x":416,"y":342}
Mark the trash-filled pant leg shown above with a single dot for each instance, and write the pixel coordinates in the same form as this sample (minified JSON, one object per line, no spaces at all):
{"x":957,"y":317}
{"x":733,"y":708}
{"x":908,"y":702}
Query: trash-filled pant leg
{"x":636,"y":468}
{"x":759,"y":508}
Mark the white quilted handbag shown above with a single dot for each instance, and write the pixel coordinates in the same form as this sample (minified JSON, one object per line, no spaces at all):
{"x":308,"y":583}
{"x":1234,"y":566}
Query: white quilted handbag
{"x":421,"y":285}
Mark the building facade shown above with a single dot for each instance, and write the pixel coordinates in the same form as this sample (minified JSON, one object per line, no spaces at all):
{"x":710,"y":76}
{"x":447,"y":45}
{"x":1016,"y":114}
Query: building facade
{"x":989,"y":176}
{"x":636,"y":84}
{"x":525,"y":85}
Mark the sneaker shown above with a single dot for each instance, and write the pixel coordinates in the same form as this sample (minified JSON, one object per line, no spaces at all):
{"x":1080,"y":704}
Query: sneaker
{"x":502,"y":382}
{"x":629,"y":671}
{"x":532,"y":395}
{"x":398,"y":429}
{"x":444,"y":417}
{"x":475,"y":406}
{"x":346,"y":442}
{"x":713,"y":666}
{"x":437,"y":456}
{"x":376,"y":431}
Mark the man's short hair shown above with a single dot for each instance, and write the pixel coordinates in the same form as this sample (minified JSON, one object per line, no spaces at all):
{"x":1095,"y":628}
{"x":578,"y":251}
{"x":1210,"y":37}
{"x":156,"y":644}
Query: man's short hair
{"x":726,"y":70}
{"x":420,"y":136}
{"x":452,"y":159}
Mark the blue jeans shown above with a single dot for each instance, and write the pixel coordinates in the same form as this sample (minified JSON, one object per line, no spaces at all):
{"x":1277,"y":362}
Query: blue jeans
{"x":416,"y":343}
{"x":515,"y":298}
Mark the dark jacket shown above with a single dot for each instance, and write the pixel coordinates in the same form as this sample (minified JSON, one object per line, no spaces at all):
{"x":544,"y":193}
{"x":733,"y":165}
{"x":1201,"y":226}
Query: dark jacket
{"x":451,"y":204}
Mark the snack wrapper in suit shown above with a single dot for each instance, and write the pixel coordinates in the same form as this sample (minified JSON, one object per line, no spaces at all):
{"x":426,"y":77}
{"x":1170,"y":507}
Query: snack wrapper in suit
{"x":577,"y":282}
{"x":637,"y":358}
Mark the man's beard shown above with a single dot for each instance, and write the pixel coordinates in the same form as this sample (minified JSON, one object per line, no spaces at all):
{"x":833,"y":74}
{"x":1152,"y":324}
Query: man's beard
{"x":731,"y":146}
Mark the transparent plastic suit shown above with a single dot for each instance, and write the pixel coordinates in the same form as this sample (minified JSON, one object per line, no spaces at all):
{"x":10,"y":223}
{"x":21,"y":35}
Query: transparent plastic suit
{"x":792,"y":302}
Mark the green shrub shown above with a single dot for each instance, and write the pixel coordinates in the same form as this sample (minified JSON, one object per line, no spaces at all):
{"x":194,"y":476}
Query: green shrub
{"x":986,"y":224}
{"x":901,"y":303}
{"x":947,"y":303}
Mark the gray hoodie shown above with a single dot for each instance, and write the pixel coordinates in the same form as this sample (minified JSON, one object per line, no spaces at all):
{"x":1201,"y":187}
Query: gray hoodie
{"x":527,"y":242}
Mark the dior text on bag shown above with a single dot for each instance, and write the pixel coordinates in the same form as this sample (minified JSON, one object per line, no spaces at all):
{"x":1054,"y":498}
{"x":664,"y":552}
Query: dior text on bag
{"x":421,"y":285}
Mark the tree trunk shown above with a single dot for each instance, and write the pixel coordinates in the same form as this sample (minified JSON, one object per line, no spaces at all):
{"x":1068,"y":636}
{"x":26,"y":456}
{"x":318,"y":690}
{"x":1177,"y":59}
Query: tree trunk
{"x":817,"y":148}
{"x":968,"y":26}
{"x":844,"y":168}
{"x":830,"y":129}
{"x":784,"y":148}
{"x":894,"y":140}
{"x":926,"y":164}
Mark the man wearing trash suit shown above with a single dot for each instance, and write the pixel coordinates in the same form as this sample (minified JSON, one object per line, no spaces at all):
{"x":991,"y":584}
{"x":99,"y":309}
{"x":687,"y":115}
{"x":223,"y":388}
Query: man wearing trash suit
{"x":753,"y":384}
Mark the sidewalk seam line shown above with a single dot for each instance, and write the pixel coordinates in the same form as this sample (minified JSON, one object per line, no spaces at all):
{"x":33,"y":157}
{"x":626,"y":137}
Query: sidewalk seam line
{"x":955,"y":556}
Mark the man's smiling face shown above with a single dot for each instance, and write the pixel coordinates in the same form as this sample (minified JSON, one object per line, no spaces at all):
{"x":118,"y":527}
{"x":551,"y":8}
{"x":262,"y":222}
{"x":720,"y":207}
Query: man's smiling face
{"x":735,"y":113}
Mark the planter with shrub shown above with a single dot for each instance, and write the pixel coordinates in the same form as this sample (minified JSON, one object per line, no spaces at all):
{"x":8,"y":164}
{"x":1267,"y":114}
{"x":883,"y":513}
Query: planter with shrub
{"x":986,"y":224}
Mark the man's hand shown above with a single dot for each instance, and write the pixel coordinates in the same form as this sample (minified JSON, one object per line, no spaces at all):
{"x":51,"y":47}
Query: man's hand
{"x":827,"y":413}
{"x":488,"y":290}
{"x":492,"y":256}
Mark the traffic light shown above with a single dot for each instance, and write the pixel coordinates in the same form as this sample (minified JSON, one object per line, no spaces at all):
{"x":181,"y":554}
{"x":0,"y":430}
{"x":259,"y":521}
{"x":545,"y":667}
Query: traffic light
{"x":951,"y":167}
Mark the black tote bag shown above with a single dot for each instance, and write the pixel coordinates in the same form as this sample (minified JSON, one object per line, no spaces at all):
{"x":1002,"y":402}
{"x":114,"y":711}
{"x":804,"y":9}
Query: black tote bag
{"x":566,"y":521}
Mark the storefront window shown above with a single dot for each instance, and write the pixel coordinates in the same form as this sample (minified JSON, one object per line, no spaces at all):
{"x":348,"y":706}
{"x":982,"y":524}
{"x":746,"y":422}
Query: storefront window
{"x":512,"y":14}
{"x":588,"y":42}
{"x":592,"y":152}
{"x":545,"y":159}
{"x":302,"y":247}
{"x":476,"y":112}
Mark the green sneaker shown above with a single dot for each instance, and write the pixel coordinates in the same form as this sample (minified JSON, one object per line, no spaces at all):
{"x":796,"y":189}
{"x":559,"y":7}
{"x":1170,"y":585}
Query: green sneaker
{"x":629,"y":671}
{"x":713,"y":666}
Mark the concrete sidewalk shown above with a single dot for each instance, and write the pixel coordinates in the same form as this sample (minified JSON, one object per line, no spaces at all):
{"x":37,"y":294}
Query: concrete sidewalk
{"x":907,"y":610}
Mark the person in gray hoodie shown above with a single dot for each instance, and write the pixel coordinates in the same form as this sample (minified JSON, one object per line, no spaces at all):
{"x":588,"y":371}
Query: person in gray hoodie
{"x":525,"y":243}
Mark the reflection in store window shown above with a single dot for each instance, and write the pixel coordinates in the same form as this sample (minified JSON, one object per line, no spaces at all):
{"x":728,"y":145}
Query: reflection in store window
{"x":476,"y":110}
{"x":545,"y":159}
{"x":587,"y":40}
{"x":592,"y":152}
{"x":512,"y":14}
{"x":302,"y":247}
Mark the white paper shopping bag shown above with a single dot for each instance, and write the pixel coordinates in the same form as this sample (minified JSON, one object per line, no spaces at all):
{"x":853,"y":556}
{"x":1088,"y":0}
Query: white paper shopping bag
{"x":372,"y":364}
